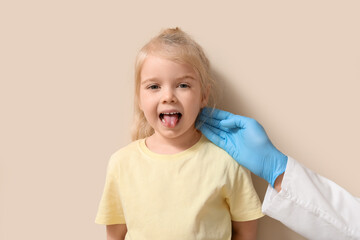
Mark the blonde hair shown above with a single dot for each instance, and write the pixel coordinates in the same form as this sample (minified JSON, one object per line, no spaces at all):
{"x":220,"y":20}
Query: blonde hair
{"x":175,"y":45}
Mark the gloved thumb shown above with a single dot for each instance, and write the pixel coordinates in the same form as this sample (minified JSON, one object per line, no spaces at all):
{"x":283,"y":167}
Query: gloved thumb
{"x":234,"y":122}
{"x":228,"y":123}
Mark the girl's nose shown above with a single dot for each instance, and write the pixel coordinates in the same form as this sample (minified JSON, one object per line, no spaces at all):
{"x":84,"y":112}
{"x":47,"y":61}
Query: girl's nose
{"x":168,"y":96}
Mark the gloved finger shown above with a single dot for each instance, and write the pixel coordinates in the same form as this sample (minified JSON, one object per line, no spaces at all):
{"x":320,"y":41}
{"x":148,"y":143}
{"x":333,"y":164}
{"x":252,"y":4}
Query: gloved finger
{"x":236,"y":121}
{"x":200,"y":120}
{"x":214,"y":123}
{"x":210,"y":134}
{"x":215,"y":130}
{"x":213,"y":134}
{"x":209,"y":120}
{"x":216,"y":113}
{"x":229,"y":123}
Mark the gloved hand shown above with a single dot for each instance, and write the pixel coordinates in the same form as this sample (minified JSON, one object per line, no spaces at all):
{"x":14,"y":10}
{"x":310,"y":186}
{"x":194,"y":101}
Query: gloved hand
{"x":245,"y":140}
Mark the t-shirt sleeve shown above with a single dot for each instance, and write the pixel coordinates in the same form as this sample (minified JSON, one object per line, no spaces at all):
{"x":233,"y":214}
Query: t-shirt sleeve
{"x":243,"y":201}
{"x":110,"y":209}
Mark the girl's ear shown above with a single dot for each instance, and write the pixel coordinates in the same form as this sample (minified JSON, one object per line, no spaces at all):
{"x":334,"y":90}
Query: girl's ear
{"x":205,"y":97}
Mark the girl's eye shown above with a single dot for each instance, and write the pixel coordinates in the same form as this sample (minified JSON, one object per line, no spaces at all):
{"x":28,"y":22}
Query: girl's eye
{"x":153,"y":87}
{"x":183,"y":85}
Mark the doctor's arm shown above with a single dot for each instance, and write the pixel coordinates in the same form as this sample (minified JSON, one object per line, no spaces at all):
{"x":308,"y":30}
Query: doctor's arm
{"x":278,"y":182}
{"x":304,"y":201}
{"x":312,"y":205}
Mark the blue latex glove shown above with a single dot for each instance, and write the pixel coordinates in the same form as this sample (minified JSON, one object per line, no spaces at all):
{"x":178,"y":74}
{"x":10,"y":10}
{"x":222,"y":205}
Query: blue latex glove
{"x":245,"y":140}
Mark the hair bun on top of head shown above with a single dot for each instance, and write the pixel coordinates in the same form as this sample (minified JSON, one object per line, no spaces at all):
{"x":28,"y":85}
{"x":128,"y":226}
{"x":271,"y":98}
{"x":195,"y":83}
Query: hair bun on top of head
{"x":176,"y":45}
{"x":174,"y":35}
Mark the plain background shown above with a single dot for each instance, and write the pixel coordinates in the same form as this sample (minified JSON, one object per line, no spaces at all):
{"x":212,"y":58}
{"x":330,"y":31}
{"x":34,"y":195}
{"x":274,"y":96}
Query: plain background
{"x":66,"y":70}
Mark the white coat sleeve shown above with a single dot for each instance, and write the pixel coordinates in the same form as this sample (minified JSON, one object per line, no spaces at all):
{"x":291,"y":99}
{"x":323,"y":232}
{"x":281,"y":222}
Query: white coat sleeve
{"x":313,"y":206}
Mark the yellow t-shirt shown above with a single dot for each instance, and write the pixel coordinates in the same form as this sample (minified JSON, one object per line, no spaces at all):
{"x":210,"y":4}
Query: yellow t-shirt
{"x":194,"y":194}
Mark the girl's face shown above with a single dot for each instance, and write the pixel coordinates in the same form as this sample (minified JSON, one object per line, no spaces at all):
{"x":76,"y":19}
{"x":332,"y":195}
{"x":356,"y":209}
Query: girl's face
{"x":170,"y":97}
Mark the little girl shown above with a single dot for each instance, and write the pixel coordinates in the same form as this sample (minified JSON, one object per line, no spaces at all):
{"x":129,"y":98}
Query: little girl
{"x":171,"y":182}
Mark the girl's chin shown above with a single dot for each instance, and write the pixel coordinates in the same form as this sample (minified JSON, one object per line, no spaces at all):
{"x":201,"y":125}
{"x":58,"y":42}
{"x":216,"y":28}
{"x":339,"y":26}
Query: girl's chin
{"x":176,"y":133}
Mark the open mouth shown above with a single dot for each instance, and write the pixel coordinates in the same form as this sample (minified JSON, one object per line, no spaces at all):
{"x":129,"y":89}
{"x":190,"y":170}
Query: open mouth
{"x":170,"y":119}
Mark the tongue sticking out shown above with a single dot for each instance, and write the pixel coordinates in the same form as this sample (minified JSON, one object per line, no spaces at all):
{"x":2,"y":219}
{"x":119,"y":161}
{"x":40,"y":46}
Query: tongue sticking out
{"x":170,"y":120}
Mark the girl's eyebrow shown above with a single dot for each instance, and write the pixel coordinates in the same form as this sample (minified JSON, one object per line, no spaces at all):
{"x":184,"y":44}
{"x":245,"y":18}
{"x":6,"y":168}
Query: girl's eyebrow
{"x":186,"y":77}
{"x":154,"y":79}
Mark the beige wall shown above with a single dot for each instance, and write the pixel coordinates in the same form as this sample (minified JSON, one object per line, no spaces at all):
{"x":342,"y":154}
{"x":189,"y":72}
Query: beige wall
{"x":66,"y":95}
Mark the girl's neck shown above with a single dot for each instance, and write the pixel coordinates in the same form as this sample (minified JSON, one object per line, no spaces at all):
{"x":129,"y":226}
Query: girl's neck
{"x":162,"y":145}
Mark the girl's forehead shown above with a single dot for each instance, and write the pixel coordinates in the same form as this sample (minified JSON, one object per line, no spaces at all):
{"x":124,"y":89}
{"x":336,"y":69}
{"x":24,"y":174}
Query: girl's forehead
{"x":158,"y":65}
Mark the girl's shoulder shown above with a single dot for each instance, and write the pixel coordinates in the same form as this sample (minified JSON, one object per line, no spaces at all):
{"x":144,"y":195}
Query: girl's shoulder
{"x":213,"y":150}
{"x":220,"y":155}
{"x":120,"y":158}
{"x":126,"y":152}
